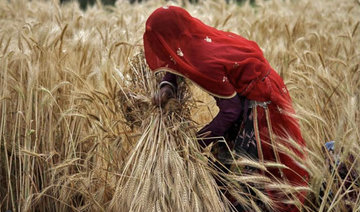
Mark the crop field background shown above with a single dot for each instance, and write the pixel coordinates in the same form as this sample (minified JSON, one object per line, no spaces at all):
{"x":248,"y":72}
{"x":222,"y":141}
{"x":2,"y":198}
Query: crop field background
{"x":75,"y":100}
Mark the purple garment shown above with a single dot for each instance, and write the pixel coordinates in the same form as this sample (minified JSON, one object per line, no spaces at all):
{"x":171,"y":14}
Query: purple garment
{"x":229,"y":113}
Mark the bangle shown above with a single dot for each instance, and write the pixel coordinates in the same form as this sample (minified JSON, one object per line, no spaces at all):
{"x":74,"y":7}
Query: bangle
{"x":168,"y":83}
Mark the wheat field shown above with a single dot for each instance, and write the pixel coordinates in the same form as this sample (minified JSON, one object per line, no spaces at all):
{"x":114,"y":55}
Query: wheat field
{"x":76,"y":113}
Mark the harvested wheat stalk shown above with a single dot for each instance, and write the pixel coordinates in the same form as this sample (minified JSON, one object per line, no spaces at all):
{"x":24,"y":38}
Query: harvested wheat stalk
{"x":165,"y":170}
{"x":161,"y":173}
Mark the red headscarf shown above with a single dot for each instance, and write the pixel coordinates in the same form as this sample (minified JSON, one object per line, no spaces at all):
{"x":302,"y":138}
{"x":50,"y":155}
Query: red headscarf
{"x":222,"y":63}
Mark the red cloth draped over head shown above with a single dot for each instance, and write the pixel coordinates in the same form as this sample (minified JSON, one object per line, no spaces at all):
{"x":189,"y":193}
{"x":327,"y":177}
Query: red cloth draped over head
{"x":222,"y":63}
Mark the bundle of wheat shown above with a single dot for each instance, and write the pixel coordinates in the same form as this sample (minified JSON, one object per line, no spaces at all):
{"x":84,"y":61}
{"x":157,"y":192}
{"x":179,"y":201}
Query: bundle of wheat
{"x":162,"y":172}
{"x":166,"y":171}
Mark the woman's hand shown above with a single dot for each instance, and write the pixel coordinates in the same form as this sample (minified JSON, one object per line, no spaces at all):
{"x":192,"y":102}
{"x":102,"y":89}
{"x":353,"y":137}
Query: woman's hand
{"x":162,"y":96}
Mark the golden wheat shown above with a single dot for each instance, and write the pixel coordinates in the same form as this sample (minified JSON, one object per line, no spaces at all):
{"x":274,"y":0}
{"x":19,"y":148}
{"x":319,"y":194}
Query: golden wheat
{"x":74,"y":106}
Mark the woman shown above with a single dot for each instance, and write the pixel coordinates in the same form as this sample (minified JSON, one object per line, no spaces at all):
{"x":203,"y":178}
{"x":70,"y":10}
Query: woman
{"x":246,"y":89}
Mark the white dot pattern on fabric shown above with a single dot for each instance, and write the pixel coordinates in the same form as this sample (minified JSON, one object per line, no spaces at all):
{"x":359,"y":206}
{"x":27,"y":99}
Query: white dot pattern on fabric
{"x":180,"y":53}
{"x":236,"y":65}
{"x":172,"y":59}
{"x":165,"y":7}
{"x":207,"y":39}
{"x":224,"y":79}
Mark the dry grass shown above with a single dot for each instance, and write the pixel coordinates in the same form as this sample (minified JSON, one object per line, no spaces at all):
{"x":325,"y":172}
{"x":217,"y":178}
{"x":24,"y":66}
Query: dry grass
{"x":75,"y":109}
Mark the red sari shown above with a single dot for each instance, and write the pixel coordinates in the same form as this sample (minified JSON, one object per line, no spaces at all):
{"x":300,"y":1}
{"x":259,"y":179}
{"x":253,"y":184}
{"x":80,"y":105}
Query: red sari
{"x":225,"y":64}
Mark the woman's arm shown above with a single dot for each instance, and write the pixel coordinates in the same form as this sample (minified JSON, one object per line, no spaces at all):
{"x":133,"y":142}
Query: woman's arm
{"x":229,"y":113}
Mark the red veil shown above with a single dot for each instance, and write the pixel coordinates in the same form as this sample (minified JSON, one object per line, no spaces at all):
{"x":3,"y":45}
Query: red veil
{"x":224,"y":64}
